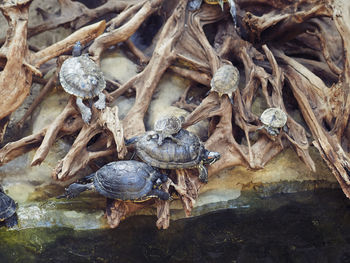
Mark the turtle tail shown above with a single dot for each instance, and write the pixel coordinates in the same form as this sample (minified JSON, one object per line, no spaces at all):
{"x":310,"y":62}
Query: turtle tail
{"x":75,"y":189}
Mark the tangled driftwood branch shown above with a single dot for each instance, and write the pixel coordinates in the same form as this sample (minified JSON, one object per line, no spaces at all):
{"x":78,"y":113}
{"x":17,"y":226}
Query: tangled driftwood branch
{"x":288,"y":53}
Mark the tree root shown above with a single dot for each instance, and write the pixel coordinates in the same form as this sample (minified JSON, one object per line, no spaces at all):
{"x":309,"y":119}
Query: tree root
{"x":278,"y":47}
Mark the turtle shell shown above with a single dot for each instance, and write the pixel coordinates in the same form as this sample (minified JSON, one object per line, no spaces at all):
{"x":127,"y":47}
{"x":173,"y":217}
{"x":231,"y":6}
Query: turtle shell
{"x":274,"y":117}
{"x":225,"y":80}
{"x":7,"y":206}
{"x":168,"y":125}
{"x":171,"y":155}
{"x":214,"y":2}
{"x":81,"y":77}
{"x":125,"y":180}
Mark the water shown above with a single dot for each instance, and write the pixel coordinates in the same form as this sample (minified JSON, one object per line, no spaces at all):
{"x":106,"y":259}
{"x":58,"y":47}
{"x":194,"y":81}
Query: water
{"x":301,"y":227}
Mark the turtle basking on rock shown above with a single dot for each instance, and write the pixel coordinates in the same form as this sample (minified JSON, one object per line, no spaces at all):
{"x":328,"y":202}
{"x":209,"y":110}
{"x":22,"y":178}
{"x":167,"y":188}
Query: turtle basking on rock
{"x":196,"y":4}
{"x":123,"y":180}
{"x":191,"y":153}
{"x":225,"y":81}
{"x":80,"y":76}
{"x":7,"y":209}
{"x":273,"y":120}
{"x":168,"y":126}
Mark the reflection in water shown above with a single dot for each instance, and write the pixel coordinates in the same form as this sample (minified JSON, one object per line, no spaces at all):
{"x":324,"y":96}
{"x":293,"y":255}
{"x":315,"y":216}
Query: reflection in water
{"x":308,"y":227}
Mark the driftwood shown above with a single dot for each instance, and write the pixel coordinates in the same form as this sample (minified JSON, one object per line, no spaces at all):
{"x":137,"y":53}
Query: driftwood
{"x":293,"y":54}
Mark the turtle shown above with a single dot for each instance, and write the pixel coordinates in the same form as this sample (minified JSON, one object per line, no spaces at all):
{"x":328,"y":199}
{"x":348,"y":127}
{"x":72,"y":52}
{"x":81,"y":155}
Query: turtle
{"x":225,"y":80}
{"x":273,"y":119}
{"x":7,"y":209}
{"x":122,"y":180}
{"x":191,"y":153}
{"x":81,"y":77}
{"x":196,"y":4}
{"x":167,"y":126}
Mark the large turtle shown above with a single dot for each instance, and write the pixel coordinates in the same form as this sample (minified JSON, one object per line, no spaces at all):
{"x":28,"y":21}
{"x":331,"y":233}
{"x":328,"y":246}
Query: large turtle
{"x":167,"y":126}
{"x":123,"y":180}
{"x":7,"y":209}
{"x":81,"y":77}
{"x":273,"y":120}
{"x":225,"y":81}
{"x":191,"y":153}
{"x":196,"y":4}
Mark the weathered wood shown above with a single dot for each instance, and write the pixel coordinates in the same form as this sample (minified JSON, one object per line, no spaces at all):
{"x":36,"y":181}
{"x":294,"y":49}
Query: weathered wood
{"x":278,"y":46}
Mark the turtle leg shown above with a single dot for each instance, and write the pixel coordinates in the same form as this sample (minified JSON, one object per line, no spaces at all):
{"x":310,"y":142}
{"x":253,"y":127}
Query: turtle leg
{"x":162,"y":178}
{"x":11,"y":221}
{"x":101,"y":102}
{"x":84,"y":110}
{"x":221,"y":3}
{"x":194,"y":5}
{"x":109,"y":204}
{"x":231,"y":99}
{"x":272,"y":131}
{"x":233,"y":11}
{"x":203,"y":173}
{"x":160,"y":138}
{"x":160,"y":194}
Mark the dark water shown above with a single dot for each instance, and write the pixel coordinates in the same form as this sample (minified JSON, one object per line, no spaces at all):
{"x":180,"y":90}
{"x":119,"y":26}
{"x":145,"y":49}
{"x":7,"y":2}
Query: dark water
{"x":303,"y":227}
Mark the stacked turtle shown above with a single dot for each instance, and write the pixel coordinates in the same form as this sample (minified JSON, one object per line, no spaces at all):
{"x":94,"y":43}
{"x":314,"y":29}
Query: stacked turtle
{"x":139,"y":181}
{"x":168,"y":126}
{"x":180,"y":151}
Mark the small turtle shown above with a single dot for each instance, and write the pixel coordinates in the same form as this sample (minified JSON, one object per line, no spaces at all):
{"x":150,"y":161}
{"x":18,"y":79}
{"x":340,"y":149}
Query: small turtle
{"x":273,"y":119}
{"x":167,"y":126}
{"x":191,"y":153}
{"x":225,"y":81}
{"x":123,"y":180}
{"x":81,"y":77}
{"x":7,"y":209}
{"x":196,"y":4}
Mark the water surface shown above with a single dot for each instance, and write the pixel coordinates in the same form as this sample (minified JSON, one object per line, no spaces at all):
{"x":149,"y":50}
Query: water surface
{"x":302,"y":227}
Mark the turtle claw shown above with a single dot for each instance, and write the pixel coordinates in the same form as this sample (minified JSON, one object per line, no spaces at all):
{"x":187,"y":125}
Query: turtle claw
{"x":203,"y":173}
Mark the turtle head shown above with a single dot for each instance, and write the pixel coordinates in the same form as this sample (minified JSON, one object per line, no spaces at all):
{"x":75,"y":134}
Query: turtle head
{"x":77,"y":49}
{"x":211,"y":157}
{"x":73,"y":190}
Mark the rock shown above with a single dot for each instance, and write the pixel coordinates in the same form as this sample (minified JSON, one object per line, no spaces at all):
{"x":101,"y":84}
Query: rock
{"x":52,"y":36}
{"x":116,"y":66}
